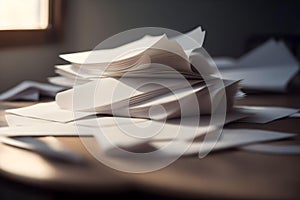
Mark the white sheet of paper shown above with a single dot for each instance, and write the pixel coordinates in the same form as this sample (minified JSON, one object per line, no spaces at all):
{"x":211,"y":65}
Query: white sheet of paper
{"x":191,"y":40}
{"x":30,"y":94}
{"x":113,"y":55}
{"x":66,"y":82}
{"x":262,"y":78}
{"x":110,"y":136}
{"x":37,"y":127}
{"x":18,"y":120}
{"x":48,"y":111}
{"x":47,"y":129}
{"x":263,"y":114}
{"x":30,"y":90}
{"x":270,"y":54}
{"x":296,"y":115}
{"x":230,"y":138}
{"x":272,"y":149}
{"x":269,"y":67}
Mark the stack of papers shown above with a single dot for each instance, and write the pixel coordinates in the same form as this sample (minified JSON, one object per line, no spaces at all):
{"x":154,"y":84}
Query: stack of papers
{"x":125,"y":97}
{"x":140,"y":58}
{"x":269,"y":67}
{"x":142,"y":99}
{"x":129,"y":80}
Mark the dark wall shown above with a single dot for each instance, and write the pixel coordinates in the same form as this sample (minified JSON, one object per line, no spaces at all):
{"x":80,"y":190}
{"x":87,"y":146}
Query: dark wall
{"x":229,"y":25}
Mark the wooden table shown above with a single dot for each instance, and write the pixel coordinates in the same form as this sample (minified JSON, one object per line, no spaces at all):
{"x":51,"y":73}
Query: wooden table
{"x":226,"y":174}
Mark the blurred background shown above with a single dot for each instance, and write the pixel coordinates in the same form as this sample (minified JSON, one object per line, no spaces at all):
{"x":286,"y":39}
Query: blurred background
{"x":232,"y":26}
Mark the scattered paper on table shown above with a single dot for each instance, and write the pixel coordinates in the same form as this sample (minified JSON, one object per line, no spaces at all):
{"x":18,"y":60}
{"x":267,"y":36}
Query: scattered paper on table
{"x":258,"y":68}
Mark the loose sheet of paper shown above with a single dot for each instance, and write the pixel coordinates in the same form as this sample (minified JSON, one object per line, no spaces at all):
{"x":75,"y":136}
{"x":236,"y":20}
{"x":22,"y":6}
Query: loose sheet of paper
{"x":191,"y":40}
{"x":262,"y":114}
{"x":230,"y":138}
{"x":48,"y":111}
{"x":272,"y":149}
{"x":269,"y":67}
{"x":107,"y":56}
{"x":296,"y":115}
{"x":30,"y":90}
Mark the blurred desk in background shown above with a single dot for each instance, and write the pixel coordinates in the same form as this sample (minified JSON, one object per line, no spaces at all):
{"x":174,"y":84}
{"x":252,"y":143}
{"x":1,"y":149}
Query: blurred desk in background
{"x":225,"y":174}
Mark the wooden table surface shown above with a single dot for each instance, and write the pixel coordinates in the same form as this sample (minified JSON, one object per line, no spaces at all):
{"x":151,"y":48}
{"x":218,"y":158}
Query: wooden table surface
{"x":231,"y":173}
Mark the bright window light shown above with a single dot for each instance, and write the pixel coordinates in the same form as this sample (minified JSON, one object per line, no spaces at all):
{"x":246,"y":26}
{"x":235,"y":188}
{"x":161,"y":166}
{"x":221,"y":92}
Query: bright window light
{"x":24,"y":14}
